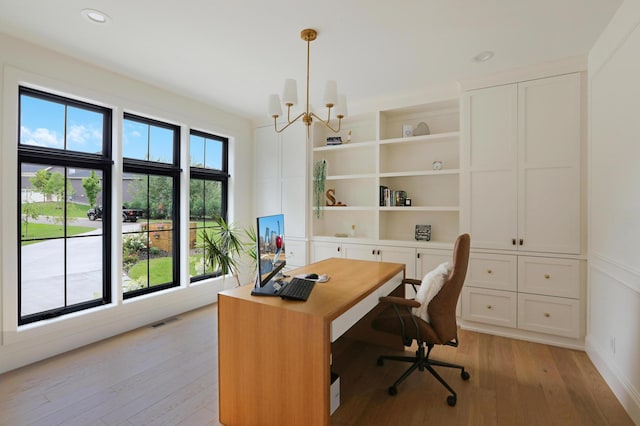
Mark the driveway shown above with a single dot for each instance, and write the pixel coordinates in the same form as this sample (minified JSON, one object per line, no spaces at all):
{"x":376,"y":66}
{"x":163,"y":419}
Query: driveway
{"x":43,"y":269}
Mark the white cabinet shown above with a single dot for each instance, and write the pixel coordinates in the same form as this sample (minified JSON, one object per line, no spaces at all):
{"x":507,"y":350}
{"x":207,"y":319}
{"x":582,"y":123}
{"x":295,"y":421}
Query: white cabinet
{"x":383,"y":254}
{"x":530,"y":293}
{"x":321,"y":250}
{"x":522,"y":154}
{"x":281,"y":176}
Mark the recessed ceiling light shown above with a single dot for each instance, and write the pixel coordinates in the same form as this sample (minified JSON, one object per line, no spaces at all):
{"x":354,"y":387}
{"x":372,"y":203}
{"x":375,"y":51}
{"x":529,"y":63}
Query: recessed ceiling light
{"x":95,"y":16}
{"x":483,"y":56}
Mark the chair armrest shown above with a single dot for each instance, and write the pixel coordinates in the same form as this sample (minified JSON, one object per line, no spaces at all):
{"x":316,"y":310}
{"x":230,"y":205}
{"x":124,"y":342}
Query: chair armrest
{"x":411,"y":281}
{"x":400,"y":301}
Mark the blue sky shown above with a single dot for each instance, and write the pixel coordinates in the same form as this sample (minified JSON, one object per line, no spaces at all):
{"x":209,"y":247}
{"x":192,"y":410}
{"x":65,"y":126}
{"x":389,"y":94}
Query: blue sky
{"x":43,"y":124}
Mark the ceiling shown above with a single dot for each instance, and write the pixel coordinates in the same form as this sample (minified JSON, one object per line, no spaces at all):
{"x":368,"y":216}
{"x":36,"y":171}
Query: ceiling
{"x":233,"y":54}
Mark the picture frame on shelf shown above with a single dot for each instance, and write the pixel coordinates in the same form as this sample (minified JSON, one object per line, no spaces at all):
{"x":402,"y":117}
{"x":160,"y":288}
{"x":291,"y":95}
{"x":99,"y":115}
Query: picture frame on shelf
{"x":423,"y":232}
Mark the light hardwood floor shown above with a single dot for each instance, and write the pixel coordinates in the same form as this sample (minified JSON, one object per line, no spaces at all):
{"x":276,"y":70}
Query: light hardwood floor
{"x":168,"y":375}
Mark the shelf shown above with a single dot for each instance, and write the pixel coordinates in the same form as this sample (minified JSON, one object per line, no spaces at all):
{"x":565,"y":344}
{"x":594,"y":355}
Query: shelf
{"x":354,"y":176}
{"x":349,"y":208}
{"x":419,"y":209}
{"x":426,"y":138}
{"x":346,"y":146}
{"x":421,"y":173}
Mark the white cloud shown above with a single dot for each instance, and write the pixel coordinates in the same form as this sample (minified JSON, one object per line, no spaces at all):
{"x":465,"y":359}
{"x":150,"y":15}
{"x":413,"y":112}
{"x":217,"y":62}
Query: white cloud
{"x":40,"y":137}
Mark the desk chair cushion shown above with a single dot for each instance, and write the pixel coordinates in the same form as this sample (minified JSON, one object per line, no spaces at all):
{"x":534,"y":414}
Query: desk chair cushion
{"x":430,"y":286}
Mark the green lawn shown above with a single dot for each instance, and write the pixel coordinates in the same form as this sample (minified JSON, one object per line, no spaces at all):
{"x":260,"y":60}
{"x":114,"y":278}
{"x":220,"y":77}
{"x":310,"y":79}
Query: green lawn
{"x":41,"y":230}
{"x":51,"y":208}
{"x":160,"y":270}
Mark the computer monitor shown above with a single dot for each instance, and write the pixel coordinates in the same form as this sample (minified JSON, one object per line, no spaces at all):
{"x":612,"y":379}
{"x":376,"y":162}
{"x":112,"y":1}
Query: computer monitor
{"x":270,"y":252}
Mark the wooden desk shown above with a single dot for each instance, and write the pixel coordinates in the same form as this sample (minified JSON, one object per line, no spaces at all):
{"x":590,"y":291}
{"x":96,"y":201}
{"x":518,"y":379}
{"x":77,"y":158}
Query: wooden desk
{"x":274,"y":355}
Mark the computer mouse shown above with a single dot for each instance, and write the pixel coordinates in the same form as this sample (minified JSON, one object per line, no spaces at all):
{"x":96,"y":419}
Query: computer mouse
{"x":312,"y":276}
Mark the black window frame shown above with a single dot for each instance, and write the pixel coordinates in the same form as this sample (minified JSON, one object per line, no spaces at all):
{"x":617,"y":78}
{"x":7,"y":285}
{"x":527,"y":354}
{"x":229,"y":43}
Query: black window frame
{"x":208,"y":174}
{"x":29,"y":154}
{"x":155,"y":168}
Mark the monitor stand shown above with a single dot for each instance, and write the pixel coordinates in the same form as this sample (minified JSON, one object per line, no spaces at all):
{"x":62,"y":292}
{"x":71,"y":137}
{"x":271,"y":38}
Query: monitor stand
{"x":269,"y":289}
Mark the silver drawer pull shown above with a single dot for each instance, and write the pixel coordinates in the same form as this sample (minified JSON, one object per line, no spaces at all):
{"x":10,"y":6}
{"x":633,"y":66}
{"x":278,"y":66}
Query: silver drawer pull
{"x":547,"y":276}
{"x":547,"y":315}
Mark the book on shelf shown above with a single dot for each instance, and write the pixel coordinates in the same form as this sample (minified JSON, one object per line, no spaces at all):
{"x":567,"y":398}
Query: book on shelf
{"x":383,"y":195}
{"x":334,"y":140}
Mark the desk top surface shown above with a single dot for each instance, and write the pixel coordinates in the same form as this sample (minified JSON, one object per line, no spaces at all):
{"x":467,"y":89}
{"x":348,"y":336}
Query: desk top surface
{"x":351,"y":281}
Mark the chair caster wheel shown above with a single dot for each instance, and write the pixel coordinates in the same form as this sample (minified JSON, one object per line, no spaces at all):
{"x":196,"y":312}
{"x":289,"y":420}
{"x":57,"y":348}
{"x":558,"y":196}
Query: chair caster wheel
{"x":465,"y":375}
{"x":380,"y":361}
{"x":451,"y":400}
{"x":393,"y":391}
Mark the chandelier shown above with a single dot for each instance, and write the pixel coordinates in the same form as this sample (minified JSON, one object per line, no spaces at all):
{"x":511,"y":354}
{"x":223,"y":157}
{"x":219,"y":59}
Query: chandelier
{"x":290,"y":97}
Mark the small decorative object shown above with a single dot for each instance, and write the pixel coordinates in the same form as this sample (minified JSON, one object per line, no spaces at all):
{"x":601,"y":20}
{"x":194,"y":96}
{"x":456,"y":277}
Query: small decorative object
{"x":353,"y":231}
{"x":423,"y":232}
{"x":334,"y":140}
{"x":407,"y":130}
{"x":349,"y":136}
{"x":437,"y":165}
{"x":421,"y":129}
{"x":407,"y":202}
{"x":331,"y":199}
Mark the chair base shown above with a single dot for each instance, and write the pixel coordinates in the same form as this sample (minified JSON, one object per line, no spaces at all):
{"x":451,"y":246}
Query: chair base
{"x":423,"y":362}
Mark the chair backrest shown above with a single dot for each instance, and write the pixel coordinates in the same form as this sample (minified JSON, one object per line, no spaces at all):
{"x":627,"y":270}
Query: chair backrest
{"x":442,"y":308}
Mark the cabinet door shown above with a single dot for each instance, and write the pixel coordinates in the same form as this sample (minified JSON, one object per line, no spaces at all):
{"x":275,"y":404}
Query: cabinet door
{"x":404,"y":255}
{"x":294,"y":151}
{"x":360,"y":251}
{"x":549,"y":161}
{"x":490,"y":135}
{"x":293,"y":206}
{"x":321,"y":250}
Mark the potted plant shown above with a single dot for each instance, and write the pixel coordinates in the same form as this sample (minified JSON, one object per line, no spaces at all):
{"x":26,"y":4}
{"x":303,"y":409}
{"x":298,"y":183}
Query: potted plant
{"x":223,"y":248}
{"x":319,"y":178}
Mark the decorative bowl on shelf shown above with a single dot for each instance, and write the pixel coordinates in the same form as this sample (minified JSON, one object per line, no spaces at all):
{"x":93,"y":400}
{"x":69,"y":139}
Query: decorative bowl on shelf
{"x":421,"y":129}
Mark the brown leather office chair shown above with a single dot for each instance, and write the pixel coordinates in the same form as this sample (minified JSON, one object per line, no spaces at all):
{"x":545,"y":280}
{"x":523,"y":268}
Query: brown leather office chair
{"x":441,"y":328}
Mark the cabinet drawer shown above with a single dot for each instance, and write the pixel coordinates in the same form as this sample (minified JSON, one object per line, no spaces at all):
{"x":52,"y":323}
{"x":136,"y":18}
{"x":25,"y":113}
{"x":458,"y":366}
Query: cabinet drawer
{"x":546,"y":314}
{"x":489,"y":306}
{"x":550,"y":277}
{"x":498,"y":272}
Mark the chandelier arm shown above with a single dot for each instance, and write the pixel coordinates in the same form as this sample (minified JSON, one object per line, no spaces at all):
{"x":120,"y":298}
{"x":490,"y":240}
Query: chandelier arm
{"x":327,"y":123}
{"x":289,"y":122}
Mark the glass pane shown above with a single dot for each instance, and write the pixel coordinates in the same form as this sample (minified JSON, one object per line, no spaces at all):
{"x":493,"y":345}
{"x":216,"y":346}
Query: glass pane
{"x":196,"y":199}
{"x":42,"y":276}
{"x":160,"y":196}
{"x":196,"y":149}
{"x":213,"y":154}
{"x":135,"y":140}
{"x":41,"y":122}
{"x":161,"y":144}
{"x":84,"y":130}
{"x":213,"y":199}
{"x":84,"y":269}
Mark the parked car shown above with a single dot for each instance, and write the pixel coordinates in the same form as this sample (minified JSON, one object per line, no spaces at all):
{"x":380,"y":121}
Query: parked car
{"x":128,"y":215}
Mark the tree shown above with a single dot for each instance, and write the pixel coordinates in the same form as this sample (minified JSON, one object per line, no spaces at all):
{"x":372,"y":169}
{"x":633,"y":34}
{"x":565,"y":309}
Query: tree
{"x":154,"y":193}
{"x":92,"y":188}
{"x":40,"y":183}
{"x":29,"y":211}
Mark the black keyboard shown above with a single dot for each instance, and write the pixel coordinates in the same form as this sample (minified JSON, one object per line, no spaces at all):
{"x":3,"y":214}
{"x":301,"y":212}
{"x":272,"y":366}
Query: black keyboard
{"x":297,"y":289}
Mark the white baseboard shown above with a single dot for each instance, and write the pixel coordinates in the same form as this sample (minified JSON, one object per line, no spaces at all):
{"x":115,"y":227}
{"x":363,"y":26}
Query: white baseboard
{"x":628,"y":396}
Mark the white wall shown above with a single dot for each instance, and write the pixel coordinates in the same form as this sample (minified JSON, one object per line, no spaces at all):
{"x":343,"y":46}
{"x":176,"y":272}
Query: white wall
{"x":24,"y":63}
{"x":613,"y":335}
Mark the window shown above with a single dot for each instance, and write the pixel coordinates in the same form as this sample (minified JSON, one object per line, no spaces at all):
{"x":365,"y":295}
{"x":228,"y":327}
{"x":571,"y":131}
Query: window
{"x":207,"y":195}
{"x":150,"y":194}
{"x":64,"y":160}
